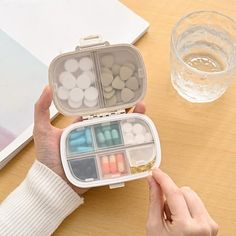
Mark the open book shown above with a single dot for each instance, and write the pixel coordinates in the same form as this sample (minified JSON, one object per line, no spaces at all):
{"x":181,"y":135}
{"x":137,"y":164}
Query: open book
{"x":32,"y":33}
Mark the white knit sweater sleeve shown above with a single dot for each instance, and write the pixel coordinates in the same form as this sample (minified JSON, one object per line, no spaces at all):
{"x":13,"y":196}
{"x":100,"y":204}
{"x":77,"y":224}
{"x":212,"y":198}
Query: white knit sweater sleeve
{"x":38,"y":205}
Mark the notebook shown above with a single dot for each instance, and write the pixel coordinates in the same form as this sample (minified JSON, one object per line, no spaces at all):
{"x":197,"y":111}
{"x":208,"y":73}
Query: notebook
{"x":32,"y":33}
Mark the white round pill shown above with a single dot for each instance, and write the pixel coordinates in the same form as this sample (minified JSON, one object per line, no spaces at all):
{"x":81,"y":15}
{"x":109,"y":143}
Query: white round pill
{"x":91,"y":75}
{"x":76,"y":95}
{"x":127,"y":127}
{"x":62,"y":93}
{"x":129,"y":138}
{"x":71,"y":65}
{"x":68,"y":81}
{"x":74,"y":104}
{"x":148,"y":137}
{"x":83,"y":81}
{"x":85,"y":64}
{"x":139,"y":138}
{"x":138,"y":129}
{"x":65,"y":75}
{"x":90,"y":103}
{"x":91,"y":94}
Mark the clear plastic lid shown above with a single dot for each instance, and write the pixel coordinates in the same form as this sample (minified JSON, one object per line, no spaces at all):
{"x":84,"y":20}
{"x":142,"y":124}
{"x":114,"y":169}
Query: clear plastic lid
{"x":97,"y":79}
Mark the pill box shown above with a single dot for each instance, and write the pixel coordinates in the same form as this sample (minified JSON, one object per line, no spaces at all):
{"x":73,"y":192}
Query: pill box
{"x":98,"y":81}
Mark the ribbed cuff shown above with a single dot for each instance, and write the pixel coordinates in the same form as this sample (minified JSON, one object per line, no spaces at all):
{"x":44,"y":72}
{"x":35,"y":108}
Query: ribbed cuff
{"x":38,"y":205}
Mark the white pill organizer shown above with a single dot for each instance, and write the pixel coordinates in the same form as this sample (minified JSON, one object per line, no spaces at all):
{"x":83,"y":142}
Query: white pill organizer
{"x":99,"y":81}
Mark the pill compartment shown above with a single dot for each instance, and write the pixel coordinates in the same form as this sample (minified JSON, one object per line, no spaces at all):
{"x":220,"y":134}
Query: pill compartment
{"x":74,"y":81}
{"x":136,"y":131}
{"x":108,"y":134}
{"x":84,"y":169}
{"x":111,"y":159}
{"x":79,"y":141}
{"x":97,"y":80}
{"x":141,"y":158}
{"x":122,"y":75}
{"x":113,"y":165}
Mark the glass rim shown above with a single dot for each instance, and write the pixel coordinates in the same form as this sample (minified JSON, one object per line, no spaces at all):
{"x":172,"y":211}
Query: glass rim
{"x":173,"y":37}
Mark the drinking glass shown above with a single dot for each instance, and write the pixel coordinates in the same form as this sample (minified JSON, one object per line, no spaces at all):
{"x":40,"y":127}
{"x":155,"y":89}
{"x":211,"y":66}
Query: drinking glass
{"x":203,"y":55}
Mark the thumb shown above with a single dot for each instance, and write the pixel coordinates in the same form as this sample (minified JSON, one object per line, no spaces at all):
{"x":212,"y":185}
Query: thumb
{"x":156,"y":204}
{"x":41,"y":109}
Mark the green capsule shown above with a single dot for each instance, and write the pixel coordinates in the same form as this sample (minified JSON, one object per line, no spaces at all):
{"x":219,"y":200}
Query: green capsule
{"x":115,"y":137}
{"x":108,"y":138}
{"x":101,"y":138}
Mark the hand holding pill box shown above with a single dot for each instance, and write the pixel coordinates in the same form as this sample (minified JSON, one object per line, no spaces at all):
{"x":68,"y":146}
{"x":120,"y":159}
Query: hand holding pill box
{"x":108,"y":147}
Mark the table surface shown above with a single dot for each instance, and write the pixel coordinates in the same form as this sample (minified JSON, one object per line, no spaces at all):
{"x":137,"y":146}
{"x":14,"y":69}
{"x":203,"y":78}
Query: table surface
{"x":197,"y":140}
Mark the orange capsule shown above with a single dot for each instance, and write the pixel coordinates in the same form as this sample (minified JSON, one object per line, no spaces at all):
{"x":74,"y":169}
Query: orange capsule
{"x":105,"y":165}
{"x":112,"y":162}
{"x":120,"y":162}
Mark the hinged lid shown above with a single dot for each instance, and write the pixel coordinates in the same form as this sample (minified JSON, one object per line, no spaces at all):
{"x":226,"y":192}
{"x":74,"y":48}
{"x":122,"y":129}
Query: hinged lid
{"x":97,"y":78}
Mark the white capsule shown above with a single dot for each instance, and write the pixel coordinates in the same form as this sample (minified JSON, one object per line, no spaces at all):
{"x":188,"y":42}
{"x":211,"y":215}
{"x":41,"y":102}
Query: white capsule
{"x":91,"y":94}
{"x":68,"y":80}
{"x":74,"y":104}
{"x":127,"y":127}
{"x":90,"y":103}
{"x":83,"y":81}
{"x":139,"y":138}
{"x":71,"y":65}
{"x":85,"y":64}
{"x":138,"y":129}
{"x":62,"y":93}
{"x":76,"y":95}
{"x":129,"y":138}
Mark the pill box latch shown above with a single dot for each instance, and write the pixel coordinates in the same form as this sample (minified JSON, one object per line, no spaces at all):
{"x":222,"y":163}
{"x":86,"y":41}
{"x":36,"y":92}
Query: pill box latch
{"x":91,"y":41}
{"x":107,"y":114}
{"x":118,"y":185}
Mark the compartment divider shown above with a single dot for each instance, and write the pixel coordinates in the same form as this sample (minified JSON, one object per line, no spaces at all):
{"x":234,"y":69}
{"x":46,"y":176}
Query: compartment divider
{"x":99,"y":82}
{"x":107,"y":150}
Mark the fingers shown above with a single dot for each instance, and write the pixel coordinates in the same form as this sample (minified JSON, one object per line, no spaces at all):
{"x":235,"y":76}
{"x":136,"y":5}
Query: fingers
{"x":156,"y":204}
{"x":174,"y":196}
{"x":41,"y":110}
{"x":140,"y":108}
{"x":78,"y":119}
{"x":167,"y":211}
{"x":195,"y":204}
{"x":197,"y":209}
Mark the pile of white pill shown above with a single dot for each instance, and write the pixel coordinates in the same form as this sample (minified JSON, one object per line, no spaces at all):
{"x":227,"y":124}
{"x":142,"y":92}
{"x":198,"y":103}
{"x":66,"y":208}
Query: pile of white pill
{"x":77,"y":83}
{"x":119,"y":81}
{"x":135,"y":133}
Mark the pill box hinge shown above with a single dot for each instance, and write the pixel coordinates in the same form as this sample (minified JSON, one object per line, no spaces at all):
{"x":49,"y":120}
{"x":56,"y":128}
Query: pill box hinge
{"x":107,"y":114}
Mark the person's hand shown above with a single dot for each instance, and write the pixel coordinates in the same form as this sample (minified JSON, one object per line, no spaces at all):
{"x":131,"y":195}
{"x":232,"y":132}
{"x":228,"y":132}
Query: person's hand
{"x":47,"y":137}
{"x":181,"y":214}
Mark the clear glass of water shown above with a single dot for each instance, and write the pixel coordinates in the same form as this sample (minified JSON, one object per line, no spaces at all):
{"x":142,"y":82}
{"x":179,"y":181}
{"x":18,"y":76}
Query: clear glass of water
{"x":203,"y":55}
